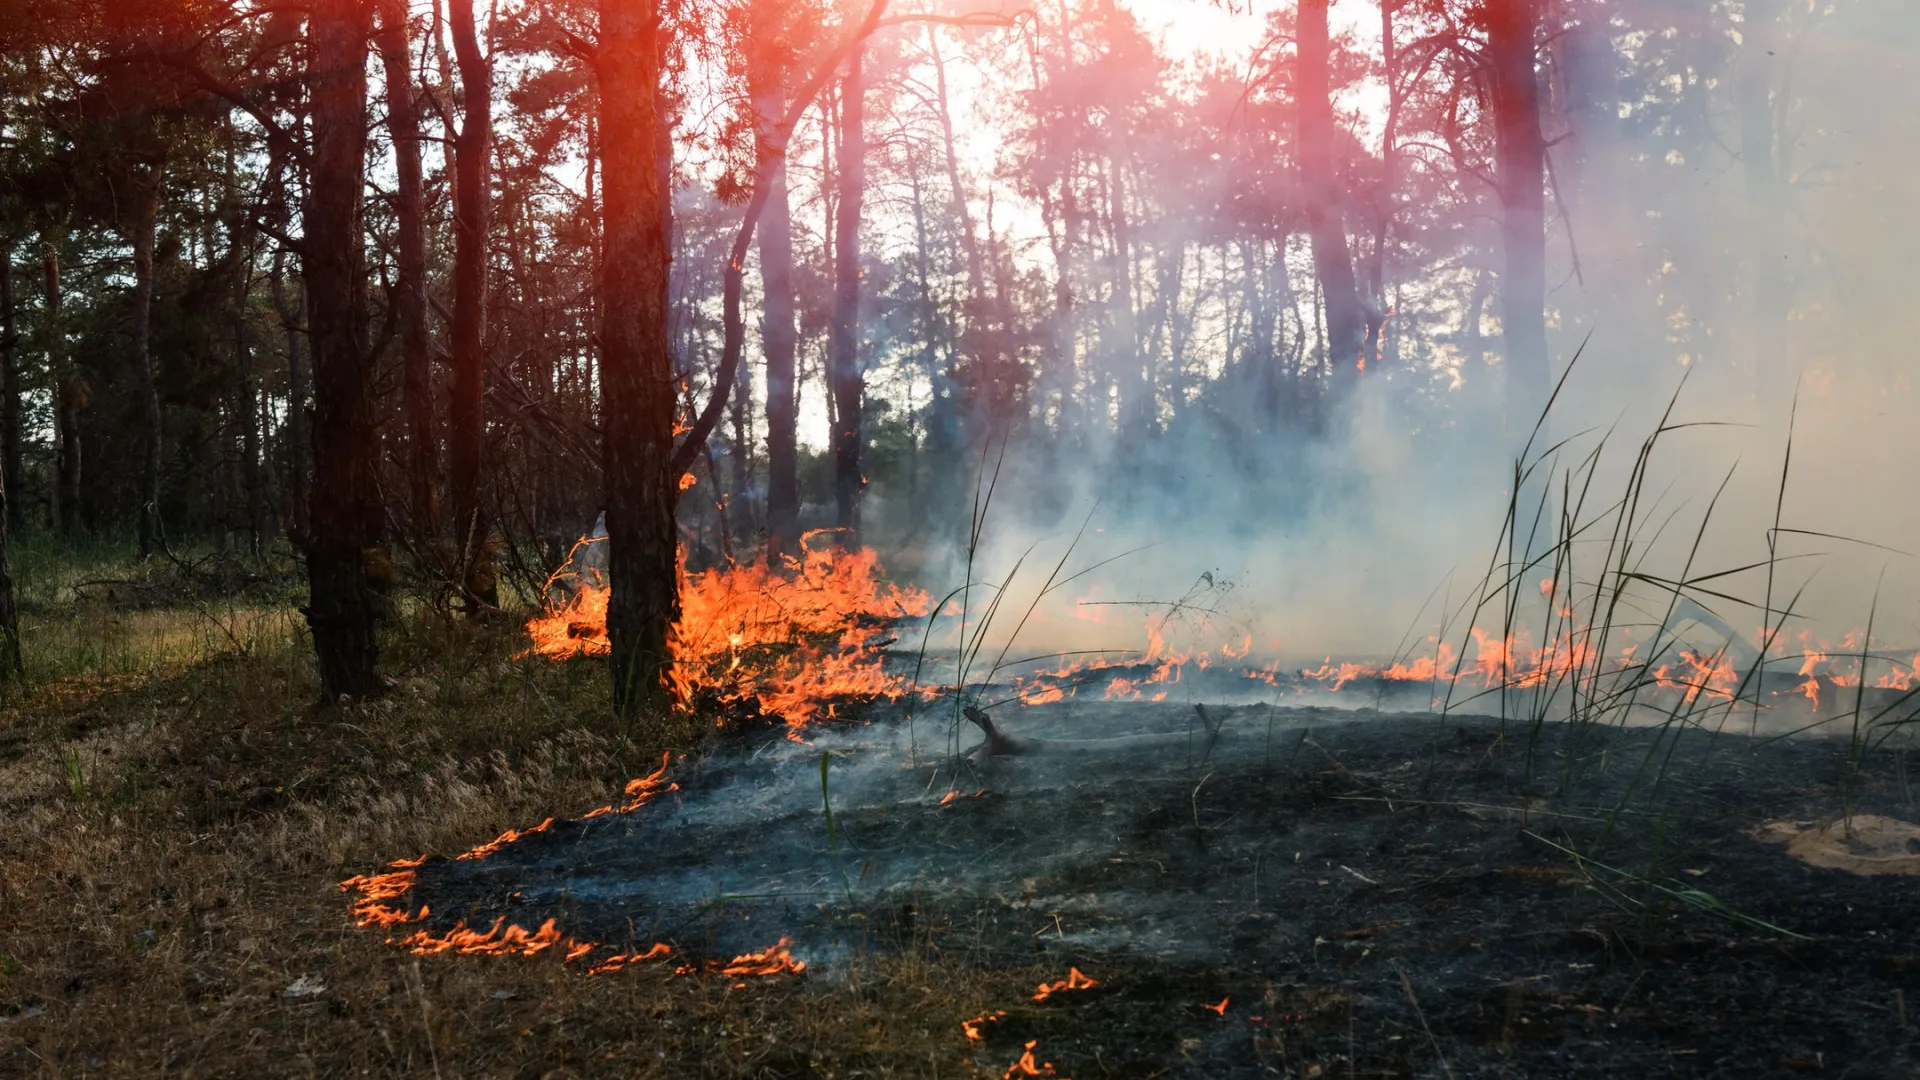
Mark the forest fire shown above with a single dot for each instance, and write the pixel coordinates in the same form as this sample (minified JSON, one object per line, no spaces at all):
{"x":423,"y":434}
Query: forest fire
{"x":784,"y":638}
{"x":377,"y":899}
{"x":1697,"y":675}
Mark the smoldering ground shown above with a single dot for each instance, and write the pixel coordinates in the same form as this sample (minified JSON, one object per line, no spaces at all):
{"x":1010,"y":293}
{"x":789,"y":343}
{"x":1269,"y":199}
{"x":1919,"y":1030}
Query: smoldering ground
{"x":1392,"y":891}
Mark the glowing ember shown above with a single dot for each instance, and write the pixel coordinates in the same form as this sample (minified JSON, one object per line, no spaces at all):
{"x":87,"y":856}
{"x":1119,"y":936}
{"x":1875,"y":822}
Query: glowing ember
{"x":620,"y":960}
{"x":377,"y":899}
{"x":774,"y":961}
{"x":1074,"y":981}
{"x":502,"y":939}
{"x":504,"y":839}
{"x":1027,"y":1066}
{"x":638,"y":791}
{"x":974,"y":1027}
{"x":1571,"y":658}
{"x":1220,"y":1009}
{"x":784,"y":639}
{"x":377,"y":892}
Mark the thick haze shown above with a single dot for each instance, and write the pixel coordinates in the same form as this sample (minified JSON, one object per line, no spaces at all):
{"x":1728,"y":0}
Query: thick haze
{"x":1332,"y":545}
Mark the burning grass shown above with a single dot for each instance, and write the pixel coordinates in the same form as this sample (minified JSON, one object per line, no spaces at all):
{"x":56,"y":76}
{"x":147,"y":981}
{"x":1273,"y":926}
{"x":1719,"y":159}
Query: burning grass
{"x":784,"y":640}
{"x":169,"y":900}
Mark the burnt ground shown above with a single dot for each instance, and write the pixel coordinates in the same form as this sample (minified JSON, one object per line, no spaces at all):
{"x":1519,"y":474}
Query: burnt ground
{"x":1374,"y":895}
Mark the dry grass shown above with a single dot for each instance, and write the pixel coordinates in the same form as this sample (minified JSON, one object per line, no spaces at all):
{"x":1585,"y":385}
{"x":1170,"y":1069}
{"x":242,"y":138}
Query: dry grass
{"x":178,"y":816}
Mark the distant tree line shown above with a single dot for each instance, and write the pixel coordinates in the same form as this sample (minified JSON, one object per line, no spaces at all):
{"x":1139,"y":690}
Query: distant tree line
{"x":429,"y":285}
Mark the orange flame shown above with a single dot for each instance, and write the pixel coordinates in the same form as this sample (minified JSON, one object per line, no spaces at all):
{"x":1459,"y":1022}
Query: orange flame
{"x":1027,"y":1066}
{"x":974,"y":1027}
{"x":504,"y":839}
{"x":772,"y":961}
{"x":785,"y":639}
{"x":502,"y":938}
{"x":1220,"y":1009}
{"x":377,"y":897}
{"x":1074,"y":981}
{"x":620,"y":960}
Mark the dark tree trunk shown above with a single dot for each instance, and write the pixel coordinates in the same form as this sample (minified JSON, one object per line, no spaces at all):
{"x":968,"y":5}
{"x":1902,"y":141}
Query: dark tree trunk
{"x":636,"y":371}
{"x":471,"y":211}
{"x":1332,"y":261}
{"x":410,"y":301}
{"x":979,"y":344}
{"x":1521,"y":168}
{"x":69,"y":398}
{"x":294,"y":512}
{"x":146,"y":205}
{"x":976,"y":275}
{"x":10,"y":660}
{"x":11,"y":666}
{"x":251,"y":473}
{"x":1381,"y":348}
{"x":844,"y":378}
{"x":344,"y":530}
{"x":9,"y":390}
{"x":740,"y":456}
{"x":777,"y":333}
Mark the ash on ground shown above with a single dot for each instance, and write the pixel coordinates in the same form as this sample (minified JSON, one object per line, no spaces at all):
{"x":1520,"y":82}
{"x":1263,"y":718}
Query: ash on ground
{"x":1405,"y":894}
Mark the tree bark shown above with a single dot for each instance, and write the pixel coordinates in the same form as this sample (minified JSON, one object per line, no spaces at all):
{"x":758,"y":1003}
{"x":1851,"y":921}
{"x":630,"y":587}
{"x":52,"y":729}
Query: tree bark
{"x":146,"y":205}
{"x":844,"y":378}
{"x":11,"y":665}
{"x":778,"y":335}
{"x":9,"y":390}
{"x":345,"y":512}
{"x":294,"y":512}
{"x":69,"y":398}
{"x":740,"y":458}
{"x":252,"y":474}
{"x":1332,"y":261}
{"x":410,"y":301}
{"x":471,"y":213}
{"x":1521,"y":173}
{"x":975,"y":348}
{"x":636,"y":378}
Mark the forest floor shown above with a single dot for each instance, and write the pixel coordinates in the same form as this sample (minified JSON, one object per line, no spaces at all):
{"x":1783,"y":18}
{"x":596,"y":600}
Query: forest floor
{"x":179,"y":816}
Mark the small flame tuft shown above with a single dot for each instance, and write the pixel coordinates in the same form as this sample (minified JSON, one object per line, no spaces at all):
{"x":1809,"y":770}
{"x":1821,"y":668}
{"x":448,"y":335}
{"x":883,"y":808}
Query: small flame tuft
{"x":773,"y":961}
{"x":1027,"y":1066}
{"x":1074,"y":981}
{"x":975,"y":1028}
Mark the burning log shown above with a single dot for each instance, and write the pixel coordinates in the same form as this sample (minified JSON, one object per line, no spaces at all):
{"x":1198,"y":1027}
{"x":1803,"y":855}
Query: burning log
{"x":1001,"y":744}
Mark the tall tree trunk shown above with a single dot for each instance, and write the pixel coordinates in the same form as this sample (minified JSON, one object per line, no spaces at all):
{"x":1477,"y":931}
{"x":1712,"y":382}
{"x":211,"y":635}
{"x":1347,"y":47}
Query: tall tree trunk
{"x":146,"y":205}
{"x":471,"y":211}
{"x":251,"y":473}
{"x":9,"y":390}
{"x":10,"y":659}
{"x":636,"y":377}
{"x":1384,"y":349}
{"x":298,"y":479}
{"x":979,"y":338}
{"x":1332,"y":261}
{"x":778,"y":336}
{"x":1521,"y":172}
{"x":410,"y":300}
{"x":844,"y":378}
{"x":69,"y":399}
{"x":345,"y":513}
{"x":1136,"y":375}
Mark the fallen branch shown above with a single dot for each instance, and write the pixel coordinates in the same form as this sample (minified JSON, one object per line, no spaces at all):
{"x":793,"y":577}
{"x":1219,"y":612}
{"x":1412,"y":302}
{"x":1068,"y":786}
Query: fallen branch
{"x":1001,"y":744}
